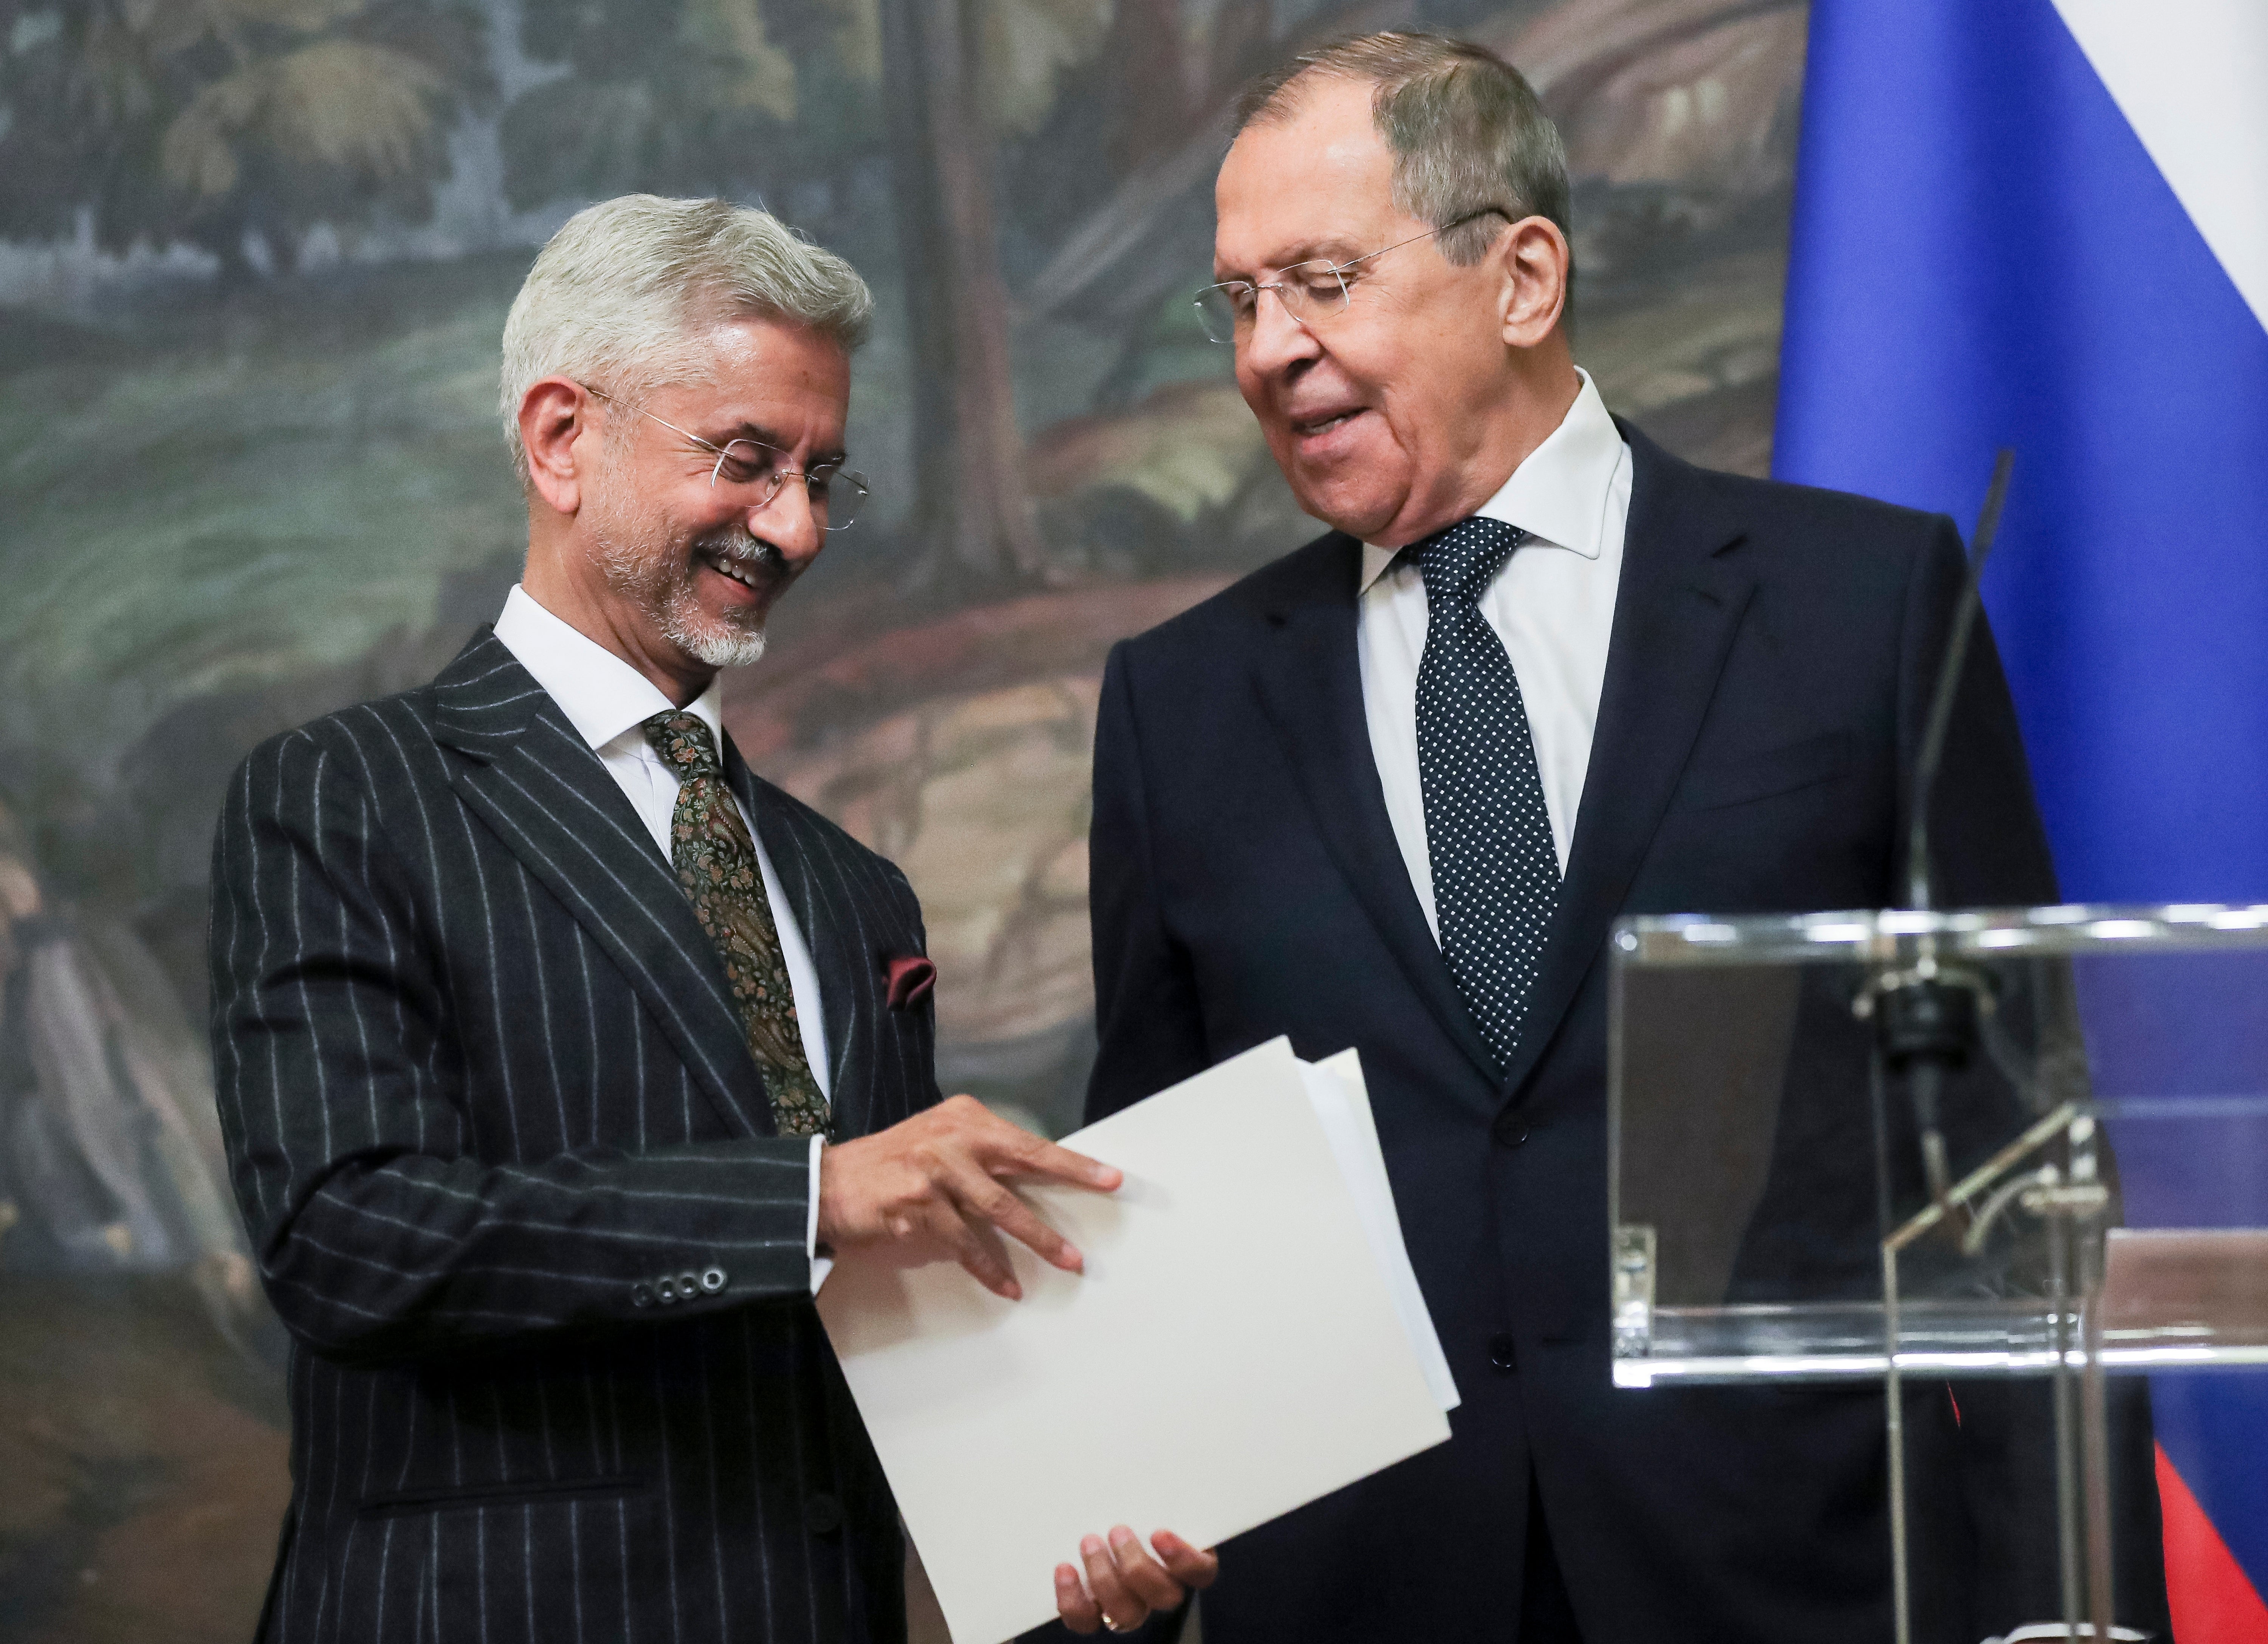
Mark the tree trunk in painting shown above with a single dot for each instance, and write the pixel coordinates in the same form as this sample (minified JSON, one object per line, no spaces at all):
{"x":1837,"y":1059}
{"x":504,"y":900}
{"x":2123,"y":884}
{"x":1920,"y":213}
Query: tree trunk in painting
{"x":1146,"y":98}
{"x":1241,"y":48}
{"x":970,"y":510}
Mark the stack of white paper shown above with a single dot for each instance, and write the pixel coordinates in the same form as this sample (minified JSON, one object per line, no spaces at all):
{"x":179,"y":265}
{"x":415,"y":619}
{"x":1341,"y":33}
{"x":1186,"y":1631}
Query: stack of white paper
{"x":1248,"y":1336}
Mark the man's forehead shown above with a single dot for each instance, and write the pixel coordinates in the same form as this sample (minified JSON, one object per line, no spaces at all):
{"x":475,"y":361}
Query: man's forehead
{"x":784,"y":358}
{"x":760,"y":375}
{"x":1317,"y":183}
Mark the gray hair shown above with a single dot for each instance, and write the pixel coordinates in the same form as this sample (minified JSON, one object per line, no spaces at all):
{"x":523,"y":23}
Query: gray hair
{"x":1467,"y":134}
{"x":620,"y":291}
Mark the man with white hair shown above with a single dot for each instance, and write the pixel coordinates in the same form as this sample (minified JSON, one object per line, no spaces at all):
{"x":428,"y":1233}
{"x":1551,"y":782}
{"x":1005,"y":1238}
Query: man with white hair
{"x":557,"y":1051}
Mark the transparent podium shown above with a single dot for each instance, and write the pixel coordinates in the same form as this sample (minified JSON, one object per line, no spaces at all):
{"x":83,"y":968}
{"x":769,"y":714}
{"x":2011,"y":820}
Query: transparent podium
{"x":1887,"y":1146}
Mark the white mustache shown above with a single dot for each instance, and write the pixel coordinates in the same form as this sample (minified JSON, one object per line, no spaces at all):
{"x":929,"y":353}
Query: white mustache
{"x":742,"y":550}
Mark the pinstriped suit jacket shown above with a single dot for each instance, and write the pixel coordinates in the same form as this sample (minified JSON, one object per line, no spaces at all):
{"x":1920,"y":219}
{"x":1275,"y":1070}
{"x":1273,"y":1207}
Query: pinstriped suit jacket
{"x":483,"y":1087}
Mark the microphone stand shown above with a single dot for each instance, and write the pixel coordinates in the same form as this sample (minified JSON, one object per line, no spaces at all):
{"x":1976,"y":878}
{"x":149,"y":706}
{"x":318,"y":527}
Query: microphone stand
{"x":1925,"y":1018}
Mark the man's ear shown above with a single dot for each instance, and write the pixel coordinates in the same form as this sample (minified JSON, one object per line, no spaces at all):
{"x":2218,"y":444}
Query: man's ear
{"x":1534,"y":261}
{"x":556,"y":425}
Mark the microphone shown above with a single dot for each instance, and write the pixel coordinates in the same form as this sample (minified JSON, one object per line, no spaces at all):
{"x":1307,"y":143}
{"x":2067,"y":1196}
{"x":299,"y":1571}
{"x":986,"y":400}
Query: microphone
{"x":1925,"y":1018}
{"x":1932,"y":752}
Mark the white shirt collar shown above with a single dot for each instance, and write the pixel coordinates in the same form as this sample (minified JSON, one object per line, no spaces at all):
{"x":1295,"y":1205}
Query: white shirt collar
{"x":1559,"y":494}
{"x":602,"y":695}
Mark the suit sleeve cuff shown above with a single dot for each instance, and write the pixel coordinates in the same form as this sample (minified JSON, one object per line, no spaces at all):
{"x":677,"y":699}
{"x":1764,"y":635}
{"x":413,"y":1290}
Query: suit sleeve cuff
{"x":821,"y":1265}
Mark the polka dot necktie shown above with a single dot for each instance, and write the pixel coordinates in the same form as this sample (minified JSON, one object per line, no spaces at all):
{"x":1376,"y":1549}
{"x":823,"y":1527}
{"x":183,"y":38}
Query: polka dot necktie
{"x":716,"y":862}
{"x":1488,"y":836}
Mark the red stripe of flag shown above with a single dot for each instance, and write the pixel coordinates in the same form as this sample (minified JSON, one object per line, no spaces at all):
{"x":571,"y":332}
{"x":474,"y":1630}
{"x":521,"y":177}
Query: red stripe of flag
{"x":2213,"y":1602}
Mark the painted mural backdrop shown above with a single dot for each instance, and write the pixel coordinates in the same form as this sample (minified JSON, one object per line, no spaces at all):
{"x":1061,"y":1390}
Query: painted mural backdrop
{"x":254,"y":257}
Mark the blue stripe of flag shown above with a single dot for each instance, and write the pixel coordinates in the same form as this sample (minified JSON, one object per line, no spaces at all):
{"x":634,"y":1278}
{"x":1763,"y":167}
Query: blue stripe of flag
{"x":1984,"y":254}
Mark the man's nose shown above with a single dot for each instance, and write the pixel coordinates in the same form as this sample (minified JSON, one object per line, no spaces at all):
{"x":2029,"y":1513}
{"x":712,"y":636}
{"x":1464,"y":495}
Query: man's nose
{"x":1277,"y":341}
{"x":789,"y":522}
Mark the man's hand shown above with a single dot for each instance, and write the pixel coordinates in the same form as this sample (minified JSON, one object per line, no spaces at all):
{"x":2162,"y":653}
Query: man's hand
{"x":1124,"y":1583}
{"x":930,"y":1189}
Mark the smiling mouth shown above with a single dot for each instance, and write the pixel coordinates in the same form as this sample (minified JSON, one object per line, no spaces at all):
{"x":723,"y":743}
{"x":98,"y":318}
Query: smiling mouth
{"x":1324,"y":424}
{"x":742,"y":572}
{"x":755,"y":565}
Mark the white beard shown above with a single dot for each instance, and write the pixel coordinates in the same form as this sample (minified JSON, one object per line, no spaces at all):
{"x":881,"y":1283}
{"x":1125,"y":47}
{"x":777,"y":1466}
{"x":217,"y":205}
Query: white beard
{"x":718,"y":646}
{"x":658,"y":579}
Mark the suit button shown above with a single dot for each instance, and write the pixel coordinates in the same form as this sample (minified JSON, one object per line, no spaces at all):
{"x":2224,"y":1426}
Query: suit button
{"x":822,"y":1513}
{"x":1503,"y":1352}
{"x":689,"y":1285}
{"x":666,"y":1289}
{"x":641,"y":1295}
{"x":1509,"y":1130}
{"x":712,"y":1280}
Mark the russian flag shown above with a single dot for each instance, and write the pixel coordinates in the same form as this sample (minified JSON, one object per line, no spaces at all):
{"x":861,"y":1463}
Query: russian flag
{"x":2043,"y":224}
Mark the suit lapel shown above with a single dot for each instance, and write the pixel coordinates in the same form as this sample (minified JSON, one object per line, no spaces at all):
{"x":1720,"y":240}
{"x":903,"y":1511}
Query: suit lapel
{"x":1681,"y":599}
{"x":1310,"y":685}
{"x":833,"y":941}
{"x":534,"y":781}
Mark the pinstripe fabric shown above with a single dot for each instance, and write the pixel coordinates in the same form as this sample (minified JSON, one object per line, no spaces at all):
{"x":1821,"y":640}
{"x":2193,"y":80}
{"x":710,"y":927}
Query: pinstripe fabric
{"x":482,"y":1086}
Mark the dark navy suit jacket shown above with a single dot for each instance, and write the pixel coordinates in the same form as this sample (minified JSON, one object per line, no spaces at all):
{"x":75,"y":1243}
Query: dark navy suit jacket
{"x":1772,"y":653}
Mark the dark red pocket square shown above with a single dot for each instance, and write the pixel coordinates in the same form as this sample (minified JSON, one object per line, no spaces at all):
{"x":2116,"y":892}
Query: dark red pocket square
{"x":911,"y":977}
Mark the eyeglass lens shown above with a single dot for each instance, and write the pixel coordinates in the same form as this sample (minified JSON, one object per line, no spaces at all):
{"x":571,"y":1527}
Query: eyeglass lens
{"x":1308,"y":291}
{"x":835,"y":496}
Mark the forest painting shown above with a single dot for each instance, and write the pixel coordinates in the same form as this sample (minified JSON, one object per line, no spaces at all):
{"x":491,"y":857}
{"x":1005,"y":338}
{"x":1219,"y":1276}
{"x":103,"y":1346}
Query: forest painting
{"x":254,"y":259}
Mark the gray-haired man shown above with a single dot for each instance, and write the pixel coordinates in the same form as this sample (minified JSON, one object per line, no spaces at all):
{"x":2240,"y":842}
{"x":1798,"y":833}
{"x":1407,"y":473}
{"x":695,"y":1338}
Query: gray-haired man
{"x":1393,"y":789}
{"x":554,"y":1045}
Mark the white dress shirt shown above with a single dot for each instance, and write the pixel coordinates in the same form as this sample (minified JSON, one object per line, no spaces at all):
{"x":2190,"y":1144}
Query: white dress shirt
{"x":608,"y":702}
{"x":1552,"y":605}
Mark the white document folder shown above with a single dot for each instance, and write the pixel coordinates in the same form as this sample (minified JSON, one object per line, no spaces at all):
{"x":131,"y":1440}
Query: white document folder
{"x":1248,"y":1336}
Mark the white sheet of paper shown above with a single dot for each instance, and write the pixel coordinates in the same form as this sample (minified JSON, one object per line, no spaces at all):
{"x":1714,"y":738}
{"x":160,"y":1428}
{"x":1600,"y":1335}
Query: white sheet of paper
{"x":1342,"y":1102}
{"x":1236,"y":1349}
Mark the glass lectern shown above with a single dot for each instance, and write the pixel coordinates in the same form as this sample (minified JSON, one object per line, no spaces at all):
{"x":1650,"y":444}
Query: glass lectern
{"x":1885,"y":1145}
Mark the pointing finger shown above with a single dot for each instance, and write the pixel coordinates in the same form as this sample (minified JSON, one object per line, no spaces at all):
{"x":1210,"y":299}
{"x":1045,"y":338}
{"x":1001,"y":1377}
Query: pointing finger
{"x":1050,"y":1162}
{"x":982,"y":1198}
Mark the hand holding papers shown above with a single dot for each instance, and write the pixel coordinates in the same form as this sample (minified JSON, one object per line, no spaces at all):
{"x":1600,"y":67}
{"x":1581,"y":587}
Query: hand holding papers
{"x":1247,"y":1337}
{"x":1120,"y":1582}
{"x":930,"y":1190}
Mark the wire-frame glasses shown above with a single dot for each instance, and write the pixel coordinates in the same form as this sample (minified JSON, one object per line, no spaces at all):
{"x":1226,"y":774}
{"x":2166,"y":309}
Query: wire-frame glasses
{"x":1312,"y":292}
{"x":750,"y":465}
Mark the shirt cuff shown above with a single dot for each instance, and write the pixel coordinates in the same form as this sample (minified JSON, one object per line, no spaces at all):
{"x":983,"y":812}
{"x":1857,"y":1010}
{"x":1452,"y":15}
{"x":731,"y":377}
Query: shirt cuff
{"x":821,"y":1265}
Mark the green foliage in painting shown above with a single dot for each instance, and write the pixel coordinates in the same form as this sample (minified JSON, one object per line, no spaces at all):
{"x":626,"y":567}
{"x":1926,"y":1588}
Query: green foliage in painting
{"x":216,"y":121}
{"x":727,"y":97}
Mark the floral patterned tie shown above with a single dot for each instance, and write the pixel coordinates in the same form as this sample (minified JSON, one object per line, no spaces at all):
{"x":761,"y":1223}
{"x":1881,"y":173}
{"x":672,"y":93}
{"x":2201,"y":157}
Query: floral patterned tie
{"x":716,"y":862}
